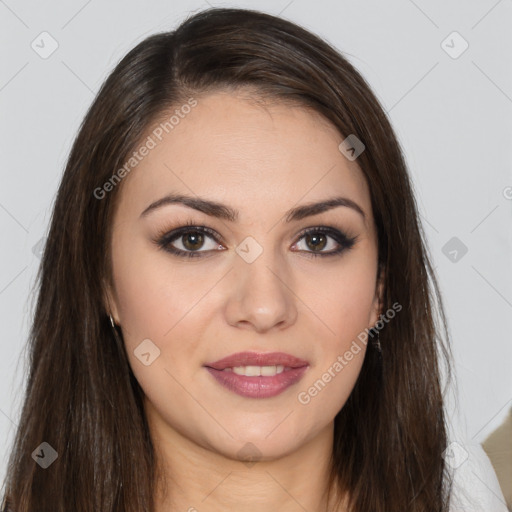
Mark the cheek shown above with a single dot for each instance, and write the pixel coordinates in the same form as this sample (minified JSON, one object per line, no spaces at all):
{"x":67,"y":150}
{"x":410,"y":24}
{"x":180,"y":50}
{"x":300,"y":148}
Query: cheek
{"x":346,"y":299}
{"x":344,"y":307}
{"x":154,"y":294}
{"x":166,"y":302}
{"x":160,"y":302}
{"x":331,"y":381}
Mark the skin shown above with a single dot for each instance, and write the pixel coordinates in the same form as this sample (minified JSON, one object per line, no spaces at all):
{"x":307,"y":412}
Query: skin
{"x":261,"y":160}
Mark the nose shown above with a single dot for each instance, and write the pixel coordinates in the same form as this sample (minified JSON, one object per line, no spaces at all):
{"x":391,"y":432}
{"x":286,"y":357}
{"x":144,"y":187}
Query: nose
{"x":261,"y":295}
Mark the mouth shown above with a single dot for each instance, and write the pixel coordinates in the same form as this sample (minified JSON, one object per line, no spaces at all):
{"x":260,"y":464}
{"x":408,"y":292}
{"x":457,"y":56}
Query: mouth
{"x":256,"y":375}
{"x":261,"y":360}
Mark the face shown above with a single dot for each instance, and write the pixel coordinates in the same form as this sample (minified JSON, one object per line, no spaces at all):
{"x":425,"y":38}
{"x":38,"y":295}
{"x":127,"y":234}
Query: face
{"x":192,"y":287}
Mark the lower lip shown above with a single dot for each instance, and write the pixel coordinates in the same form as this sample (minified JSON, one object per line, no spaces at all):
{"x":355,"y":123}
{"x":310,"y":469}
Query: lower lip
{"x":258,"y":387}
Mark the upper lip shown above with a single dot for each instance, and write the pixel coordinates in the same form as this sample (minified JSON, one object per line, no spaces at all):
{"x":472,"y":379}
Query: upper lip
{"x":258,"y":359}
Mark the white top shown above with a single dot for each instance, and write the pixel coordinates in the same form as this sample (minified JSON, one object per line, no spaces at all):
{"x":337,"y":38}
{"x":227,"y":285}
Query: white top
{"x":475,"y":484}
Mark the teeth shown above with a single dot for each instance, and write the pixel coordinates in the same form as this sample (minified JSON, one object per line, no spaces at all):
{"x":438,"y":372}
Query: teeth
{"x":256,"y":371}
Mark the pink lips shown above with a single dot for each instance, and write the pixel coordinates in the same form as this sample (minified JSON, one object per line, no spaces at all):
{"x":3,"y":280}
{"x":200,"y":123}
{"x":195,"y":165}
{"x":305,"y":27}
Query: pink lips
{"x":262,"y":386}
{"x":256,"y":359}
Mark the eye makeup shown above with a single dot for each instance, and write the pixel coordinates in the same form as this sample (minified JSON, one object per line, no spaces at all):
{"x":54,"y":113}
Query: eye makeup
{"x":166,"y":238}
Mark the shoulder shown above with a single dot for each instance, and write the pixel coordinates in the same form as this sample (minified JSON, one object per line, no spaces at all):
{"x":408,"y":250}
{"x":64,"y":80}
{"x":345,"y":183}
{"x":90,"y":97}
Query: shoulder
{"x":475,"y":485}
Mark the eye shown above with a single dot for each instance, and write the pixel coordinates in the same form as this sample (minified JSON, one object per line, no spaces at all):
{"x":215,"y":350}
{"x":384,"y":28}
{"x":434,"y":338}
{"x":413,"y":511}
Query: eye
{"x":189,"y":241}
{"x":317,"y":239}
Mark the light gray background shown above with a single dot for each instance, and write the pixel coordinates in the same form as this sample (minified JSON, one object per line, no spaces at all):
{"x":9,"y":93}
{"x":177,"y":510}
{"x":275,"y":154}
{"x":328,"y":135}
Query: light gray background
{"x":453,"y":117}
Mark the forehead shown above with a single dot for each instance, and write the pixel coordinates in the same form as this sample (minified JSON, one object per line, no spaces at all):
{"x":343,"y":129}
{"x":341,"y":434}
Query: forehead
{"x":233,"y":149}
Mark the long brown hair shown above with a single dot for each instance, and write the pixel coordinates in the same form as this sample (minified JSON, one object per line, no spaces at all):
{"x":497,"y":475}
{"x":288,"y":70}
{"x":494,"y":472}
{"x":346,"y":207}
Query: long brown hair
{"x":81,"y":396}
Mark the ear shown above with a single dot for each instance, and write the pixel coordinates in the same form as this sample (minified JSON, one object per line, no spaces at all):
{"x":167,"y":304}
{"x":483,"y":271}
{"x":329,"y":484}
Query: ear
{"x":378,"y":299}
{"x":110,"y":301}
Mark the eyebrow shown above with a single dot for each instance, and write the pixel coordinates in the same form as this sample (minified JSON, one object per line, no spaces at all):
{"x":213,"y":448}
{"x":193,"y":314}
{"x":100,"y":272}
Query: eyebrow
{"x":222,"y":211}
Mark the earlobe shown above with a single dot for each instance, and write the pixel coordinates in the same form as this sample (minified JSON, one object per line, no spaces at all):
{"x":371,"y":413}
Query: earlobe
{"x":378,"y":300}
{"x":109,"y":303}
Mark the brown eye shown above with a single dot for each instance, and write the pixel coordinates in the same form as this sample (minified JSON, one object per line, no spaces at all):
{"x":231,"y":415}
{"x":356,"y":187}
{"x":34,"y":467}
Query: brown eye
{"x":315,"y":241}
{"x":190,"y":241}
{"x":193,"y":240}
{"x":325,"y":241}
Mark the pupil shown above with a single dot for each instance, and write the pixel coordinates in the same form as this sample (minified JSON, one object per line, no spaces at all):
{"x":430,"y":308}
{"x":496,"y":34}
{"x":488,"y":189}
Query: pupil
{"x":317,"y":237}
{"x":196,"y":240}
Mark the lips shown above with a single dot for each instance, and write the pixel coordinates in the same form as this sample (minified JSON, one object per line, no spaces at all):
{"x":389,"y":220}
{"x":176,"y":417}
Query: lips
{"x":229,"y":373}
{"x":258,"y":359}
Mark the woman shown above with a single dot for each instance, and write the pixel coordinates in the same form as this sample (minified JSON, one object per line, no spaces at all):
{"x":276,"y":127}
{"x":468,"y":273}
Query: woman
{"x":234,"y":308}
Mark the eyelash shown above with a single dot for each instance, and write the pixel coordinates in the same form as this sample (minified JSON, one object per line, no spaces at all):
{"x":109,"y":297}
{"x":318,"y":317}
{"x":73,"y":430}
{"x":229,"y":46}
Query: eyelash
{"x":164,"y":239}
